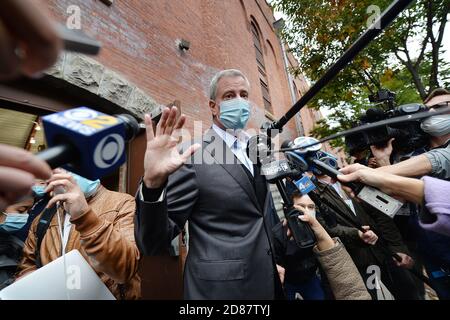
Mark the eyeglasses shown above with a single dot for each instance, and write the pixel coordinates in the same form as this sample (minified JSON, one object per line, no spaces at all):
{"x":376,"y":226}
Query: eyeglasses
{"x":440,"y":105}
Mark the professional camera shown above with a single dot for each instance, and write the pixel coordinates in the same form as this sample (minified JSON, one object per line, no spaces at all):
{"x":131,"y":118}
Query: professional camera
{"x":408,"y":135}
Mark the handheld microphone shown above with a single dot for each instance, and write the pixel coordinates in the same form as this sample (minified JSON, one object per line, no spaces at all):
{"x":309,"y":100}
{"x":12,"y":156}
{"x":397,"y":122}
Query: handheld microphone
{"x":372,"y":196}
{"x":277,"y":170}
{"x":87,"y":142}
{"x":309,"y":158}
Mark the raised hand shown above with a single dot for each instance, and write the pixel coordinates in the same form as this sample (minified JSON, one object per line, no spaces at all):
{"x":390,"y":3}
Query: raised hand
{"x":162,"y":157}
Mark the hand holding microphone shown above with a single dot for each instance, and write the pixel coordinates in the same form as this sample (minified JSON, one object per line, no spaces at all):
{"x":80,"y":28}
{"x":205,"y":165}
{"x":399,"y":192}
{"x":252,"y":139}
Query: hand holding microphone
{"x":407,"y":189}
{"x":73,"y":198}
{"x":367,"y":235}
{"x":324,"y":241}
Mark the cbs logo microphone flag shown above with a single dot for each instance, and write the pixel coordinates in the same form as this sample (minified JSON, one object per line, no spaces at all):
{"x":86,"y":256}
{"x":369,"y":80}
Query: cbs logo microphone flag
{"x":97,"y":138}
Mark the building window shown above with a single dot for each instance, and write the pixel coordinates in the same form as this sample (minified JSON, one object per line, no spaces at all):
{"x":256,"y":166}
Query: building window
{"x":266,"y":96}
{"x":295,"y":91}
{"x":261,"y":67}
{"x":258,"y":48}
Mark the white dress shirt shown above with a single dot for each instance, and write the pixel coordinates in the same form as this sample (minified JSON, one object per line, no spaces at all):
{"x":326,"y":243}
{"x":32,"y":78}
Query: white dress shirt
{"x":237,"y":143}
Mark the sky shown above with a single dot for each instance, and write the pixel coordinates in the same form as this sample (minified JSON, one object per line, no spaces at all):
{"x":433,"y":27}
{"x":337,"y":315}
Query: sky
{"x":412,"y":46}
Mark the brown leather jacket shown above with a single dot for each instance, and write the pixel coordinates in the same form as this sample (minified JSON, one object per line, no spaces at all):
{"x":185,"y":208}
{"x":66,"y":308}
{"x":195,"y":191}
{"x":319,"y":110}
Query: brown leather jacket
{"x":104,"y":235}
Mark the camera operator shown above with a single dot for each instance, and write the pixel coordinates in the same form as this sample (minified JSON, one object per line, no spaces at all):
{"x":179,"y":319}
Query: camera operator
{"x":435,"y":162}
{"x":432,"y":247}
{"x":369,"y":248}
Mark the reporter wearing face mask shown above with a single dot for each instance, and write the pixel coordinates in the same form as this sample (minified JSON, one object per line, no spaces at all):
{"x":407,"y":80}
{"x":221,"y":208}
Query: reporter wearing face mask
{"x":435,"y":162}
{"x":223,"y":196}
{"x":17,"y":218}
{"x":13,"y":221}
{"x":97,"y":222}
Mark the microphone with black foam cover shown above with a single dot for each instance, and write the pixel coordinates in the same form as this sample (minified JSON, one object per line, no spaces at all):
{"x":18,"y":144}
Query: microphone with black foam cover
{"x":86,"y":141}
{"x":374,"y":114}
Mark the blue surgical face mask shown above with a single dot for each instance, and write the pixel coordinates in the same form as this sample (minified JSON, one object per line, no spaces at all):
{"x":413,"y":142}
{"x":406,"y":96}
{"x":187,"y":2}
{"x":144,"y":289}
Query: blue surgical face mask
{"x":87,"y":186}
{"x":14,"y":222}
{"x":39,"y":191}
{"x":234,"y":113}
{"x":436,"y":126}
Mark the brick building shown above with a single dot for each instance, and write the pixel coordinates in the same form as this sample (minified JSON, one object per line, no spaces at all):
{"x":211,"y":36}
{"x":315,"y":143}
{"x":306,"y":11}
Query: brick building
{"x":142,"y":66}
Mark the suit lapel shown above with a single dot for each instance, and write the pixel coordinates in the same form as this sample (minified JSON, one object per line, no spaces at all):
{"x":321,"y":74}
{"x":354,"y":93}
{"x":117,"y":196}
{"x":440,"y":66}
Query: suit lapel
{"x":222,"y":155}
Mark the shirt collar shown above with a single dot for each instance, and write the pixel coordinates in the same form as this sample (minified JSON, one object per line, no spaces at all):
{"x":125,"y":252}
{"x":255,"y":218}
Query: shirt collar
{"x":230,"y":138}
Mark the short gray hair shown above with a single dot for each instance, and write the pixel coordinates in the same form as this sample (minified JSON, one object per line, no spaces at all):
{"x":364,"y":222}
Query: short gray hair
{"x":221,"y":74}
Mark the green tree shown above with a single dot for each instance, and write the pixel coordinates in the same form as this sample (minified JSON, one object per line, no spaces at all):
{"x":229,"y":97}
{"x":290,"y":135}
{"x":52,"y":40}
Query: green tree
{"x":405,"y":58}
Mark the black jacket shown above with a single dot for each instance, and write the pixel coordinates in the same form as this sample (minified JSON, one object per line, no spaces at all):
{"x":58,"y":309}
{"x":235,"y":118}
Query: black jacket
{"x":344,"y":227}
{"x":300,"y":264}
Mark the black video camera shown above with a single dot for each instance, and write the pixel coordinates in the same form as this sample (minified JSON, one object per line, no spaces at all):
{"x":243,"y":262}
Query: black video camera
{"x":408,"y":135}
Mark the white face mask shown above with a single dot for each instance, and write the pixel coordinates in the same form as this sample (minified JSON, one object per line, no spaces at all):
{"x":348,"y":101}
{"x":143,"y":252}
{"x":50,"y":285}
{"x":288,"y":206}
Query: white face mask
{"x":436,"y":126}
{"x":309,"y":212}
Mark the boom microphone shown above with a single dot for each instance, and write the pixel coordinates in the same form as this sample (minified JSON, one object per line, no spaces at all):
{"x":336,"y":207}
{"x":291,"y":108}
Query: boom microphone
{"x":87,"y":142}
{"x":384,"y":20}
{"x":369,"y":126}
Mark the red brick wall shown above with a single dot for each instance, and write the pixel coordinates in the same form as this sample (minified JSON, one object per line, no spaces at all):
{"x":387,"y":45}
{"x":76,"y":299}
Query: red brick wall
{"x":139,"y":41}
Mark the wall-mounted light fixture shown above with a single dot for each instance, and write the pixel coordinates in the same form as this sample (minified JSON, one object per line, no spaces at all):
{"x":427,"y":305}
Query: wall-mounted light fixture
{"x":107,"y":2}
{"x":184,"y":45}
{"x":37,"y":126}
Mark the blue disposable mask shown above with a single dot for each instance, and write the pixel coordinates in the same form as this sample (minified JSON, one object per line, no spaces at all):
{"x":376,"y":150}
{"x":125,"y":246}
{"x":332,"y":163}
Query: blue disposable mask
{"x":38,"y":191}
{"x":436,"y":126}
{"x":88,"y":187}
{"x":14,"y":222}
{"x":234,"y":113}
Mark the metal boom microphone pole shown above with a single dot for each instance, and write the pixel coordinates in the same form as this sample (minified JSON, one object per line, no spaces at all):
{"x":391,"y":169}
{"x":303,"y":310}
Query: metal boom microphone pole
{"x":383,"y":21}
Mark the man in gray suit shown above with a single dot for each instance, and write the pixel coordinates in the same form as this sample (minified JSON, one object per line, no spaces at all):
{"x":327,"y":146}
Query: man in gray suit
{"x":219,"y":191}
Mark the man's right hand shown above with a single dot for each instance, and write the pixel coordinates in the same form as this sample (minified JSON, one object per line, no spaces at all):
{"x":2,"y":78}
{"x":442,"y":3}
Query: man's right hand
{"x":161,"y":156}
{"x":368,"y":236}
{"x":383,"y":154}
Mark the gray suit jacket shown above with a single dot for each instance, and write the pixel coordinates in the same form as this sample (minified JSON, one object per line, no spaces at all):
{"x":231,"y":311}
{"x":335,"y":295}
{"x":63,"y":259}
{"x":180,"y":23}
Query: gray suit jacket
{"x":230,"y":249}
